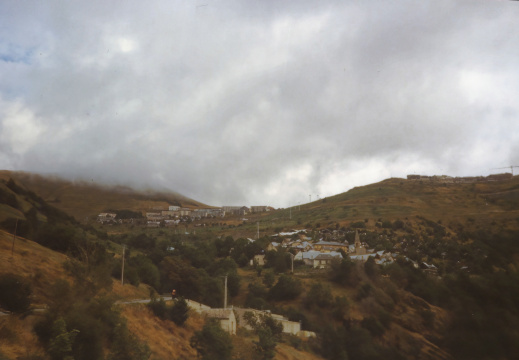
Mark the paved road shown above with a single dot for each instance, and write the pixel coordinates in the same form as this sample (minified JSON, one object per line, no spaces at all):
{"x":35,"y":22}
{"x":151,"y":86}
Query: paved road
{"x":143,"y":301}
{"x":137,"y":301}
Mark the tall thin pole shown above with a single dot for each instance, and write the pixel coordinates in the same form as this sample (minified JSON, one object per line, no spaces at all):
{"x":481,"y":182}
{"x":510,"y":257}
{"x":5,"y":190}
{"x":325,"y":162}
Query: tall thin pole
{"x":225,"y":294}
{"x":122,"y":271}
{"x":257,"y":232}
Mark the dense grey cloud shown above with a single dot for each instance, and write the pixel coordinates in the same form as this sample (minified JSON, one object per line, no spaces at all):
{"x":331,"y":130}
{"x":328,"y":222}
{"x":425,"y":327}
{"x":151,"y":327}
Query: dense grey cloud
{"x":242,"y":102}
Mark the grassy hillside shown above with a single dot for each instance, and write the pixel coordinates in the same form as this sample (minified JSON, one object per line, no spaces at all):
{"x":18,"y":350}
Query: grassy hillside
{"x":83,"y":199}
{"x":398,"y":198}
{"x":465,"y":309}
{"x":492,"y":204}
{"x":43,"y":267}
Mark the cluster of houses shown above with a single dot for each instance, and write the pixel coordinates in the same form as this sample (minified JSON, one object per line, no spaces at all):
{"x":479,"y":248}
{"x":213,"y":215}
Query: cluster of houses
{"x":244,"y":210}
{"x":321,"y":254}
{"x":461,"y":180}
{"x":107,"y":218}
{"x":174,"y":215}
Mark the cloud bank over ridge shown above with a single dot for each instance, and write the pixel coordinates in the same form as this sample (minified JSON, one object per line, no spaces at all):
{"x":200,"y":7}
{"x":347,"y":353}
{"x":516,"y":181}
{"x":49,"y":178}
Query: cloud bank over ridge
{"x":258,"y":103}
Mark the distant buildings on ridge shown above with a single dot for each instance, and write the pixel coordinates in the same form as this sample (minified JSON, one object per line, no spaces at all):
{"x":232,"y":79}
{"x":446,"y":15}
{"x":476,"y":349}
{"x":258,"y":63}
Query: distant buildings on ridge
{"x":461,"y":180}
{"x":173,"y":214}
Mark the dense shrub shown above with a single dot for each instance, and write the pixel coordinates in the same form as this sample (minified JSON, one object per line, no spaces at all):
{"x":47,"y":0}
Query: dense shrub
{"x":358,"y":225}
{"x":398,"y":224}
{"x":287,"y":288}
{"x":84,"y":329}
{"x":178,"y":312}
{"x":159,"y":308}
{"x":212,"y":342}
{"x":146,"y":270}
{"x":344,"y":272}
{"x":319,"y":295}
{"x":142,"y":241}
{"x":257,"y":296}
{"x":15,"y":293}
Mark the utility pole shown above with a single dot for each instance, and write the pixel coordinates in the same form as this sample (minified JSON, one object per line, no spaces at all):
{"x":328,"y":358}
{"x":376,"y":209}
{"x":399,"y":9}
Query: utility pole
{"x":257,"y":235}
{"x":122,"y":271}
{"x":292,"y":257}
{"x":225,"y":294}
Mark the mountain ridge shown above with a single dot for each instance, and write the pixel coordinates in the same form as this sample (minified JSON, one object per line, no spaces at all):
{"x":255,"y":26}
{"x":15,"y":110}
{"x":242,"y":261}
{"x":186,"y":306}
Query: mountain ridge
{"x":83,"y":199}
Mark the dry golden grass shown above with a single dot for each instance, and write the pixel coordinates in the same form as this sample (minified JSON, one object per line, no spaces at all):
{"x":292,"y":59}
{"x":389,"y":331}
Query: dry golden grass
{"x":243,"y":349}
{"x":17,"y":338}
{"x":286,"y":352}
{"x":165,"y":339}
{"x":29,"y":259}
{"x":130,"y":292}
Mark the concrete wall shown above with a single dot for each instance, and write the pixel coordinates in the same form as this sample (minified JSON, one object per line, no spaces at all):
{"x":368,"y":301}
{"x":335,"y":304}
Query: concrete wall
{"x":196,"y":306}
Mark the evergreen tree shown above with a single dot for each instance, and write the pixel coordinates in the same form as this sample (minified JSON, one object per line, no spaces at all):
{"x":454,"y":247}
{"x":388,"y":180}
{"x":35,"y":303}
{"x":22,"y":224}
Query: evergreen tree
{"x":178,"y":313}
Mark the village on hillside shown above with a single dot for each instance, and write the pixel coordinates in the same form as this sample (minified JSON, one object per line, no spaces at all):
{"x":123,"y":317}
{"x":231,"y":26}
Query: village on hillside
{"x":174,"y":215}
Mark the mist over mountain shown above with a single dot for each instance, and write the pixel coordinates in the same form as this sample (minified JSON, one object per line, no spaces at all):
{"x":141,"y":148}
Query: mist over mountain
{"x":260,"y":103}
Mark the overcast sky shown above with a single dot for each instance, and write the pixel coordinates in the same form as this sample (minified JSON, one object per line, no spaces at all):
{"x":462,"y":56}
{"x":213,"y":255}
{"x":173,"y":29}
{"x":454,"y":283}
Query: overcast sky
{"x":258,"y":102}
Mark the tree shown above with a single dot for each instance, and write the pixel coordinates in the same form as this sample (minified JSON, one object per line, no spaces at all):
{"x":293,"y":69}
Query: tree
{"x":256,"y":297}
{"x":180,"y":275}
{"x":266,"y":345}
{"x":269,"y":333}
{"x":278,"y":260}
{"x":223,"y":247}
{"x":269,"y":279}
{"x":60,"y":346}
{"x":146,"y":270}
{"x":15,"y":293}
{"x":212,"y":342}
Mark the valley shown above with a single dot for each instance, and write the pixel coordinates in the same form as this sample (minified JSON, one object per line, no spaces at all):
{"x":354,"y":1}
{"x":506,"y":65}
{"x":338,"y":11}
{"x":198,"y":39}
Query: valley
{"x":450,"y":271}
